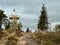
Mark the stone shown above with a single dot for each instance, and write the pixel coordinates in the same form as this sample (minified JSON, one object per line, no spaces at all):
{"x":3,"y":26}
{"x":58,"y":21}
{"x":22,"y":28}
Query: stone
{"x":26,"y":40}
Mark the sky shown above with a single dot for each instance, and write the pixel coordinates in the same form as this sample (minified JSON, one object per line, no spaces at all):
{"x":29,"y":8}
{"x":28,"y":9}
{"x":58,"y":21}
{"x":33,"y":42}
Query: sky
{"x":29,"y":11}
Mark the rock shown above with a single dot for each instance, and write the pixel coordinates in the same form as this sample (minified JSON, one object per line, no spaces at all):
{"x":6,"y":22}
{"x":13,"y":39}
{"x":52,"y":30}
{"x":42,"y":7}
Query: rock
{"x":26,"y":40}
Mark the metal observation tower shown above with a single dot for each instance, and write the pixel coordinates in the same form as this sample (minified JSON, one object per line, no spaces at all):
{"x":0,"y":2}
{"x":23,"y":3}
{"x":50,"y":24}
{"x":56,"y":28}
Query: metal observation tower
{"x":14,"y":22}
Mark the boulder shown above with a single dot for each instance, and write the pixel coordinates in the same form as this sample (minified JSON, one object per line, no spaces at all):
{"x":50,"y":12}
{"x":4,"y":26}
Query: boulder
{"x":27,"y":40}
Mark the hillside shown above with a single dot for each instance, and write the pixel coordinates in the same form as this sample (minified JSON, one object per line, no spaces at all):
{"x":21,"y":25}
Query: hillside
{"x":29,"y":38}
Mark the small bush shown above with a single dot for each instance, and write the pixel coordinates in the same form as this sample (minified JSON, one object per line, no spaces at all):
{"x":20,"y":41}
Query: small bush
{"x":11,"y":41}
{"x":50,"y":38}
{"x":1,"y":34}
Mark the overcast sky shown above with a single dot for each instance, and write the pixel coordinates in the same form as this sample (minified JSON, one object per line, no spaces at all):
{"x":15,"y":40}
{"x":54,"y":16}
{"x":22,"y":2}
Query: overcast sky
{"x":29,"y":10}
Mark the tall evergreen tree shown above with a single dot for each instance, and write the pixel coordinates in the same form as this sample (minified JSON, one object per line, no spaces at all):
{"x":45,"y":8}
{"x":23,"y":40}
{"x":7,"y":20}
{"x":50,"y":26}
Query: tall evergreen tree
{"x":6,"y":23}
{"x":43,"y":20}
{"x":27,"y":30}
{"x":2,"y":16}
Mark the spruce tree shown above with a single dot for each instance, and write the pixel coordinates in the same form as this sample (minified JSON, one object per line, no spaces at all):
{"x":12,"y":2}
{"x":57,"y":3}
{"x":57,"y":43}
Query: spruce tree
{"x":27,"y":30}
{"x":2,"y":16}
{"x":7,"y":26}
{"x":43,"y":20}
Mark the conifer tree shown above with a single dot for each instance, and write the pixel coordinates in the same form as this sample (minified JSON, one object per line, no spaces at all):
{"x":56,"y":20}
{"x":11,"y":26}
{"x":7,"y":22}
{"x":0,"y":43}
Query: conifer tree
{"x":2,"y":16}
{"x":27,"y":30}
{"x":43,"y":20}
{"x":7,"y":26}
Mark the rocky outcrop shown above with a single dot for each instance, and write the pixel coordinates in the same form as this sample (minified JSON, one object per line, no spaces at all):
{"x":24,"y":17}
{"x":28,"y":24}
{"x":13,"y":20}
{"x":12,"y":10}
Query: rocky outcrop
{"x":27,"y":39}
